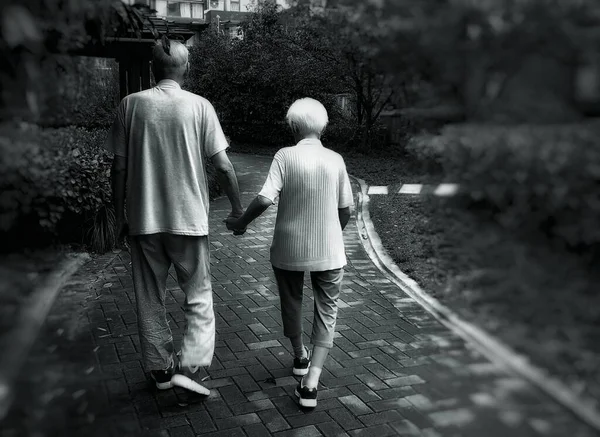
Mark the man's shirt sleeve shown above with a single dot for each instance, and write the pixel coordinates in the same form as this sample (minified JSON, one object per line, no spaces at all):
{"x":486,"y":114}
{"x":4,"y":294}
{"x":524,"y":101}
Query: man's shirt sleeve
{"x":345,"y":189}
{"x":274,"y":183}
{"x":214,"y":140}
{"x":116,"y":142}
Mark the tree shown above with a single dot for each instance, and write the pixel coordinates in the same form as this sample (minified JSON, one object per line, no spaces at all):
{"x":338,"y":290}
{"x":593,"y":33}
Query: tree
{"x":372,"y":53}
{"x":385,"y":53}
{"x":509,"y":58}
{"x":307,"y":51}
{"x":253,"y":81}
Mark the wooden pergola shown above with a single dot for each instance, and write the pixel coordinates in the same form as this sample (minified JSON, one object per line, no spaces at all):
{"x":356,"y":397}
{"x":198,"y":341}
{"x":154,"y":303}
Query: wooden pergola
{"x":134,"y":54}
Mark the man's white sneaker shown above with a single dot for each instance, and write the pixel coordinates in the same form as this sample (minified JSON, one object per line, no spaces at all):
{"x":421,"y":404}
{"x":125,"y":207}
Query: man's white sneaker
{"x":186,"y":378}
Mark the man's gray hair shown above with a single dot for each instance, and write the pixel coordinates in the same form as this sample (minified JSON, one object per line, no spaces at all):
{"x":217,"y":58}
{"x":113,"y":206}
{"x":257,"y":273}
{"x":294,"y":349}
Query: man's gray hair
{"x":307,"y":116}
{"x":170,"y":56}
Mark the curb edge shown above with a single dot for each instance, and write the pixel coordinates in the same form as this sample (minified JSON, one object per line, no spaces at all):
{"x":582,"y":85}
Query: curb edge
{"x":29,"y":322}
{"x":492,"y":348}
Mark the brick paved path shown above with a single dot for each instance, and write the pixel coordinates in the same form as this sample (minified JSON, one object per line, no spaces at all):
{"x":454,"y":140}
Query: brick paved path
{"x":394,"y":370}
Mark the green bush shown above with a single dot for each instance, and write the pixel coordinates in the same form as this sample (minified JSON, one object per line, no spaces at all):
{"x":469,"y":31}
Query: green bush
{"x":339,"y":135}
{"x":55,"y":183}
{"x":265,"y":134}
{"x":530,"y":177}
{"x":56,"y":187}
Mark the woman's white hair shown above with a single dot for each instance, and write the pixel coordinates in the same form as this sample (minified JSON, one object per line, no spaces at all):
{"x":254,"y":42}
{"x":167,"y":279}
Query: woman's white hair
{"x":307,"y":116}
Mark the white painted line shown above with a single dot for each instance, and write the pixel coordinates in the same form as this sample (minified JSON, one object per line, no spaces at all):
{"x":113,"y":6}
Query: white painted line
{"x":497,"y":352}
{"x":23,"y":334}
{"x":446,"y":190}
{"x":378,"y":190}
{"x":411,"y":189}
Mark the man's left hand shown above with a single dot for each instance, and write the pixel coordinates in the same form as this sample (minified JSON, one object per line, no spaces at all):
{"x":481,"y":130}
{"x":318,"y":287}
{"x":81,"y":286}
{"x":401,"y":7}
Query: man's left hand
{"x":233,"y":224}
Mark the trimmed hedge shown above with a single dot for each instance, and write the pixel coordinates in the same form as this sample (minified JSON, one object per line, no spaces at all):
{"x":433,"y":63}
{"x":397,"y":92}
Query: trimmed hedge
{"x":55,"y":187}
{"x":530,"y":177}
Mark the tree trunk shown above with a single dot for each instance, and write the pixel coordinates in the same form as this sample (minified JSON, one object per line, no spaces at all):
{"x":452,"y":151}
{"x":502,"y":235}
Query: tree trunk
{"x":369,"y":104}
{"x":358,"y":91}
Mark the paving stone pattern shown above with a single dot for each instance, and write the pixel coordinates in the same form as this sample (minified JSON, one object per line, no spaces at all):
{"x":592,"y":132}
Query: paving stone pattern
{"x":394,"y":369}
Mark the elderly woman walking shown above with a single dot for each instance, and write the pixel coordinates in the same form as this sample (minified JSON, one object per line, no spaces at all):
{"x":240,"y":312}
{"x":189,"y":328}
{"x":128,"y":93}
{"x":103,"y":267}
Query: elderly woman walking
{"x":314,"y":207}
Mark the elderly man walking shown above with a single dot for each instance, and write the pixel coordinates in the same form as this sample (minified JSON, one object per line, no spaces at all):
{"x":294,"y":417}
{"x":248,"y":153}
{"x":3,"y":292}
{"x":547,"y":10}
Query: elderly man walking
{"x":161,"y":139}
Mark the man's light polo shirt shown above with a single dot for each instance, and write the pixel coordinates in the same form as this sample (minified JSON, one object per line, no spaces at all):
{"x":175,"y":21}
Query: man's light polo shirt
{"x":166,"y":134}
{"x":312,"y":184}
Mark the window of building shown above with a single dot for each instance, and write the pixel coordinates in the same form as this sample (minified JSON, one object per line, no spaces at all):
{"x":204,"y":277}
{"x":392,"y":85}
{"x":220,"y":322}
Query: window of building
{"x":160,"y":6}
{"x":173,"y":9}
{"x":197,"y":10}
{"x":185,"y":9}
{"x":235,"y":6}
{"x":189,"y":9}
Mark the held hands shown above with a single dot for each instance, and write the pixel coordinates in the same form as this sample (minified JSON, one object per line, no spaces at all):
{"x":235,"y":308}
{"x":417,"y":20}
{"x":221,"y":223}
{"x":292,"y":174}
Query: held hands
{"x":233,"y":223}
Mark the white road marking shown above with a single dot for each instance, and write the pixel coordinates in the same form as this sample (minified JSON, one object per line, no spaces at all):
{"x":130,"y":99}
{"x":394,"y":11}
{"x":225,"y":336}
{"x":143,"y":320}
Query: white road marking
{"x":446,"y":190}
{"x":411,"y":189}
{"x":377,"y":190}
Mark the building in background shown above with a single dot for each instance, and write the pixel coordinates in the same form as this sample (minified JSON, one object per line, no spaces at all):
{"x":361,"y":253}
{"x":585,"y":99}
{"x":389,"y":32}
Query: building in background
{"x":225,"y":14}
{"x":197,"y":9}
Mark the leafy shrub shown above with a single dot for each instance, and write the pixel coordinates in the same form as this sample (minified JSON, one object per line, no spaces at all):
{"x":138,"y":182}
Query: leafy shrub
{"x":340,"y":135}
{"x":56,"y":187}
{"x":265,"y":134}
{"x":530,"y":177}
{"x":78,"y":91}
{"x":55,"y":181}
